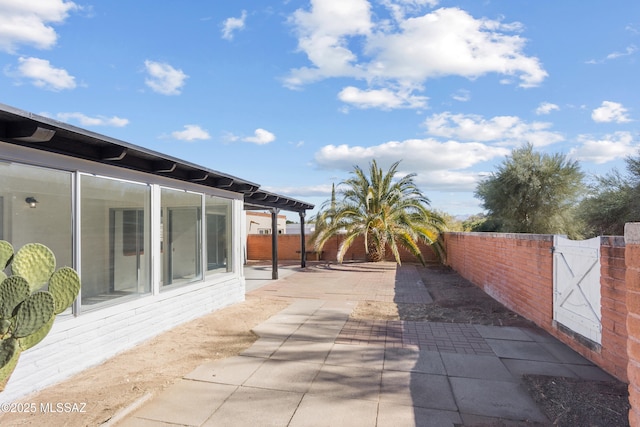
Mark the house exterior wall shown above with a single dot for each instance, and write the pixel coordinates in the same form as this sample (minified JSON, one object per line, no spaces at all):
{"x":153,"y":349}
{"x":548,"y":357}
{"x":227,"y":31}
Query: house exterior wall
{"x":517,"y":270}
{"x":90,"y":336}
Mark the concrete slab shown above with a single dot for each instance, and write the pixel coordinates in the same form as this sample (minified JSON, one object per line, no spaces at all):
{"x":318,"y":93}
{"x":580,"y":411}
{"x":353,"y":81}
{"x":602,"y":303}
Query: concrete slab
{"x":319,"y":330}
{"x":328,"y":411}
{"x":480,"y":421}
{"x":284,"y":375}
{"x":539,"y":335}
{"x":590,"y":372}
{"x":503,"y":332}
{"x":139,"y":422}
{"x":532,"y":367}
{"x":303,"y":351}
{"x":233,"y":370}
{"x":499,"y":399}
{"x":564,"y":353}
{"x":251,"y":407}
{"x":393,"y":415}
{"x":520,"y":350}
{"x":475,"y":366}
{"x":345,"y":382}
{"x":186,"y":403}
{"x":357,"y":356}
{"x":417,"y":389}
{"x":275,"y":330}
{"x":413,"y":360}
{"x":264,"y":347}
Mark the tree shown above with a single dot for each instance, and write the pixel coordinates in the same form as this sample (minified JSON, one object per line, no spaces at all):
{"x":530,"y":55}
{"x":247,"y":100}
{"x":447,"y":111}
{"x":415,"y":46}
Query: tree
{"x":386,"y":212}
{"x":533,"y":193}
{"x":613,"y":200}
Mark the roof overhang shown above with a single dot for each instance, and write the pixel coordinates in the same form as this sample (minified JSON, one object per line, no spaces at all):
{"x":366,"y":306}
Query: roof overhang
{"x":41,"y":133}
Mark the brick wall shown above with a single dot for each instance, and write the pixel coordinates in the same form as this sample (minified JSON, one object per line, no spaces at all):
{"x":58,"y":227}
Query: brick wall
{"x":259,"y":248}
{"x":632,"y":278}
{"x":517,"y":270}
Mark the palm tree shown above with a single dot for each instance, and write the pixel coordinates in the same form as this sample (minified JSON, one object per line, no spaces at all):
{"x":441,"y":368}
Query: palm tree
{"x":386,"y":212}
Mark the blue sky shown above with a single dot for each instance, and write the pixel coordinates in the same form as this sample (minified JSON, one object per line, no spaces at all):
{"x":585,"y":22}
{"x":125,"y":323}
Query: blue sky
{"x":293,"y":94}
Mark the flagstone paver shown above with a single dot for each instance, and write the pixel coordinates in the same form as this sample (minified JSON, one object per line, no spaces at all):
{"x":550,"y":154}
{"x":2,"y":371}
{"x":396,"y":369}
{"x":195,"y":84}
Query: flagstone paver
{"x":315,"y":366}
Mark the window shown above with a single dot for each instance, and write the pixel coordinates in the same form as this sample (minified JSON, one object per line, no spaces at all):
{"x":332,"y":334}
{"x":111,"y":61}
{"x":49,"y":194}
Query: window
{"x":115,"y":230}
{"x":47,"y":219}
{"x":218,"y":234}
{"x":181,"y":216}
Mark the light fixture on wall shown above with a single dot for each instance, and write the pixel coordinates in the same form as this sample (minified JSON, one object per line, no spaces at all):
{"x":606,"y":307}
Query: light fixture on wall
{"x":31,"y":201}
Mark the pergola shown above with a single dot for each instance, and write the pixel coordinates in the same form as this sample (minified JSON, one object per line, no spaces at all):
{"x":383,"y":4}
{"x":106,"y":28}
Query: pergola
{"x":41,"y":133}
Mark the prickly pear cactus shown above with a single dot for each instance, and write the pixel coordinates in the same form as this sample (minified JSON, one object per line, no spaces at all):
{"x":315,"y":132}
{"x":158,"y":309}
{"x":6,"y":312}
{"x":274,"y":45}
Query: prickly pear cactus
{"x":26,"y":312}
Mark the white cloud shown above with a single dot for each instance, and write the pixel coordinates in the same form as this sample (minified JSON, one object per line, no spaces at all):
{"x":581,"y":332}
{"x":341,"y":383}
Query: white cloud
{"x":385,"y":99}
{"x":546,"y":108}
{"x":44,"y":75}
{"x":630,"y":50}
{"x":85,"y":120}
{"x":405,"y":54}
{"x":231,"y":25}
{"x":303,"y":192}
{"x":601,"y":150}
{"x":29,"y":22}
{"x":504,"y":130}
{"x":228,"y":137}
{"x":400,"y":8}
{"x":461,"y":95}
{"x":610,"y":112}
{"x":260,"y":137}
{"x":163,"y":78}
{"x":415,"y":154}
{"x":438,"y":165}
{"x":191,"y":133}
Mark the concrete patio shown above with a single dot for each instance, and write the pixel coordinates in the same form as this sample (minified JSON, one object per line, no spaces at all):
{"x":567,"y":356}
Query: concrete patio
{"x":314,"y":366}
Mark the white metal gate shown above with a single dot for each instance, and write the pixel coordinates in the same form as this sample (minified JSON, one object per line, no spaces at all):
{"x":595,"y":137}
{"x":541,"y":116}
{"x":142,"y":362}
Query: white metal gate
{"x":576,"y":286}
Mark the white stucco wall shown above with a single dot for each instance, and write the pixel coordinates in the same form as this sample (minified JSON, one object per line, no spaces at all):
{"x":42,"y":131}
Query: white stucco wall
{"x":88,"y":339}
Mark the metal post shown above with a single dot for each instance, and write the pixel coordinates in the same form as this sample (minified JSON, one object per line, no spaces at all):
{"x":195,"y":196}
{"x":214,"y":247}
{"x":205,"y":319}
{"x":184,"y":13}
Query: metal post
{"x":274,"y":243}
{"x":303,"y":245}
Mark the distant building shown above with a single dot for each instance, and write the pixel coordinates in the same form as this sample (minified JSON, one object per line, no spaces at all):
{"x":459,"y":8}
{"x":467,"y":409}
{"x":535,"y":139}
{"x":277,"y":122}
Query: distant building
{"x":295,"y":229}
{"x":260,"y":223}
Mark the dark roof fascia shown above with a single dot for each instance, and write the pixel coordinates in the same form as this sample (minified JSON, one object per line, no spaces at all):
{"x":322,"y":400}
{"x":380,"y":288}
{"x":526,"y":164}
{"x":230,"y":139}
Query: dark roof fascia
{"x":26,"y":129}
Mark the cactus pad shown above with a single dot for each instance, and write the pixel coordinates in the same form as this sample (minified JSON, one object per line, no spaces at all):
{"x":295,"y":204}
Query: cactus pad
{"x":29,"y":341}
{"x":36,"y":263}
{"x":13,"y":290}
{"x":64,"y":285}
{"x":6,"y":253}
{"x":33,"y":313}
{"x":9,"y":354}
{"x":2,"y":276}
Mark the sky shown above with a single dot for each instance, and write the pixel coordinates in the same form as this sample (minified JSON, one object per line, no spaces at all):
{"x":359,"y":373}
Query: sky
{"x":293,"y":94}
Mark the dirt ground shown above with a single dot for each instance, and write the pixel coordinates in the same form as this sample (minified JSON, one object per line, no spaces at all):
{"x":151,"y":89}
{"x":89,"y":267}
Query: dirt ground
{"x":149,"y":368}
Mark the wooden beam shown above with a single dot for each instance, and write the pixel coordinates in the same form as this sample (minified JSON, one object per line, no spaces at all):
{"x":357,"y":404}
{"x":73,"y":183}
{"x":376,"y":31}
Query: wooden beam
{"x":113,"y":153}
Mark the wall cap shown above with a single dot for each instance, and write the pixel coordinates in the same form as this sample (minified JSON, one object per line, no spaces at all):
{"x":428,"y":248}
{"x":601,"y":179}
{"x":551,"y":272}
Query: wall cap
{"x":515,"y":236}
{"x":632,"y":233}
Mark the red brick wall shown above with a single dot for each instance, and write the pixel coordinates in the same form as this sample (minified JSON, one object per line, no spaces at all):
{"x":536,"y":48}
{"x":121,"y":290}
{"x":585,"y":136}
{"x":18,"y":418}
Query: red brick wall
{"x":517,"y":270}
{"x":259,"y":248}
{"x":632,"y":278}
{"x":613,"y":355}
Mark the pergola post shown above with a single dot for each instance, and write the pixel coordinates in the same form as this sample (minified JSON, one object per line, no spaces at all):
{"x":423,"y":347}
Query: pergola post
{"x":274,"y":243}
{"x":303,"y":244}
